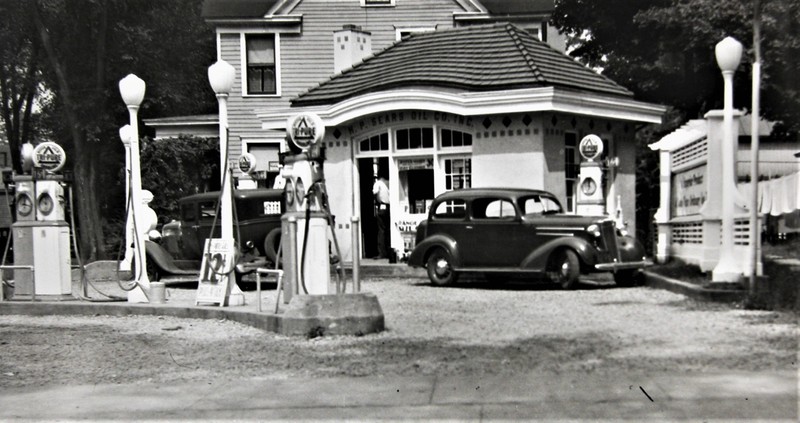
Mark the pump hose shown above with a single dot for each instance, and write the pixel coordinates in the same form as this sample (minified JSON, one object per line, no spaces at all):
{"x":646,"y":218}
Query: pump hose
{"x":8,"y":240}
{"x":136,"y":276}
{"x":85,"y":282}
{"x":326,"y":207}
{"x":301,"y":276}
{"x":207,"y":247}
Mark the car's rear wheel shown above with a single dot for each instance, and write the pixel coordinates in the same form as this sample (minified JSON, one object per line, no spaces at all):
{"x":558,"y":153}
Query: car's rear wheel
{"x":272,"y":243}
{"x":564,"y":268}
{"x":628,"y":277}
{"x":440,"y":268}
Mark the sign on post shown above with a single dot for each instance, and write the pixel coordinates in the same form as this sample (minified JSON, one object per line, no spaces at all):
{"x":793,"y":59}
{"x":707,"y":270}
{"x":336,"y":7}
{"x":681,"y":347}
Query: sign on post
{"x":215,"y":271}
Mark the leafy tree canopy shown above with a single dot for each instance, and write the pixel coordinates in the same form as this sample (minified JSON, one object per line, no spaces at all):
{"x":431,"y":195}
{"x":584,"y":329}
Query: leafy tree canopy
{"x":663,"y":50}
{"x":68,"y":57}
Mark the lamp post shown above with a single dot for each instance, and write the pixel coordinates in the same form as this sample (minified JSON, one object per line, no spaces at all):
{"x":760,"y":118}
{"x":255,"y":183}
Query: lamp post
{"x":728,"y":53}
{"x":132,"y":90}
{"x":125,"y":136}
{"x":221,"y":76}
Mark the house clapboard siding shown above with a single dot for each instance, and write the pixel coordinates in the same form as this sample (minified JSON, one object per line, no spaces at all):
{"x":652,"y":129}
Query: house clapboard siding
{"x":306,"y":58}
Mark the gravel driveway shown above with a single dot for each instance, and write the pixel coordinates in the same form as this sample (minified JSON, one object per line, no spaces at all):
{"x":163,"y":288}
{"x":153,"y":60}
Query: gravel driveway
{"x":470,"y":329}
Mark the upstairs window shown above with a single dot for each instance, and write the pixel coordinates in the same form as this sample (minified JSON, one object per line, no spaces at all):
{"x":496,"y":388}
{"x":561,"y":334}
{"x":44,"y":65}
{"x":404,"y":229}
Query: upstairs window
{"x":376,"y":3}
{"x":261,"y":64}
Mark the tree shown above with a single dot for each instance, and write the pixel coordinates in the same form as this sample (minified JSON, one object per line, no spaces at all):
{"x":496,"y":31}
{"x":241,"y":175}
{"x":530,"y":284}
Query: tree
{"x":191,"y":162}
{"x":663,"y":50}
{"x":78,"y":51}
{"x":19,"y":76}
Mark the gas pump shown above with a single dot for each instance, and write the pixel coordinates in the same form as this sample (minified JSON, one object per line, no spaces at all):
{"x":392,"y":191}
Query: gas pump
{"x":304,"y":226}
{"x":590,"y":190}
{"x":41,"y":234}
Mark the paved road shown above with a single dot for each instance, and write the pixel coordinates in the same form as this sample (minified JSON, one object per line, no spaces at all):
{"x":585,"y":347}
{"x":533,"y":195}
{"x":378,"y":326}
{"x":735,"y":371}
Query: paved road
{"x":471,"y":352}
{"x":724,"y":396}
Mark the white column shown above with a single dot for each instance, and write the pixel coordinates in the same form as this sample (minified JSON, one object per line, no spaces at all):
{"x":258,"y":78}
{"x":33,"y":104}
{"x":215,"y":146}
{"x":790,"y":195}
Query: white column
{"x":132,"y":89}
{"x":728,"y":269}
{"x":125,"y":136}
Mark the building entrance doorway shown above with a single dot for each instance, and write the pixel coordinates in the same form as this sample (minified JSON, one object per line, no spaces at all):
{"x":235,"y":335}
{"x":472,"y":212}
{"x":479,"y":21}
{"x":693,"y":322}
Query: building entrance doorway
{"x":368,"y":170}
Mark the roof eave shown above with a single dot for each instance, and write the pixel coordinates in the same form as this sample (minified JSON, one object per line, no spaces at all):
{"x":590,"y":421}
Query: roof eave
{"x":533,"y":100}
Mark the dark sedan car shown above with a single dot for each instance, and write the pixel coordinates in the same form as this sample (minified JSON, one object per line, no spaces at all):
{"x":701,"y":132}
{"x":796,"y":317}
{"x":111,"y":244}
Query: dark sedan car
{"x":501,"y":231}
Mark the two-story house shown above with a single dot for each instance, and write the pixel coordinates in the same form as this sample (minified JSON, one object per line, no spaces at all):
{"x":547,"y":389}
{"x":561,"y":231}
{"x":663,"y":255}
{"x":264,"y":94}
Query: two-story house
{"x":432,"y":94}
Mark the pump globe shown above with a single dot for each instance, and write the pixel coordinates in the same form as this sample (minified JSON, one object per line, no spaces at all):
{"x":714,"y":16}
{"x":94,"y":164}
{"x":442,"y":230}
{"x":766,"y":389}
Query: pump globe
{"x":125,"y":134}
{"x":729,"y":54}
{"x":221,"y":76}
{"x":132,"y":90}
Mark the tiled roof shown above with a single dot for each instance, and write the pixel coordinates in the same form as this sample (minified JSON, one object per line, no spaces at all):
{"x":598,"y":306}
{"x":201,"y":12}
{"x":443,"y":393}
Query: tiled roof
{"x":475,"y":58}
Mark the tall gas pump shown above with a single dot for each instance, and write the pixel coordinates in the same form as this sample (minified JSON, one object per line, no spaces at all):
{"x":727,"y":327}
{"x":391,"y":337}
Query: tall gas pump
{"x":590,"y":190}
{"x":41,"y":233}
{"x":304,"y":227}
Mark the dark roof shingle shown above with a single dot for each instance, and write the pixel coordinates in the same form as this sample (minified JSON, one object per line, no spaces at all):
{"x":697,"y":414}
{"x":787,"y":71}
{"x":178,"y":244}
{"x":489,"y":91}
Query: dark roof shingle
{"x":475,"y":58}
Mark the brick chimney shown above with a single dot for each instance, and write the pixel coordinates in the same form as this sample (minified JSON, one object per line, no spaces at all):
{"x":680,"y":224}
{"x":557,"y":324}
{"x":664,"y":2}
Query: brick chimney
{"x":350,"y":46}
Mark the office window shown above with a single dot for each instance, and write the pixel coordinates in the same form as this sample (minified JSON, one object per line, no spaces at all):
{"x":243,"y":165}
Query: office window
{"x":261,"y":64}
{"x":414,"y":138}
{"x":572,"y":167}
{"x":378,"y":142}
{"x":452,"y":138}
{"x":458,"y":173}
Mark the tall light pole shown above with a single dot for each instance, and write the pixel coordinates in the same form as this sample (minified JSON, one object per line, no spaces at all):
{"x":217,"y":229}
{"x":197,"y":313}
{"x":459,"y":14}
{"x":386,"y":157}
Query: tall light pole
{"x":728,"y":53}
{"x":132,"y":90}
{"x":125,"y":136}
{"x":221,"y":76}
{"x":755,"y":239}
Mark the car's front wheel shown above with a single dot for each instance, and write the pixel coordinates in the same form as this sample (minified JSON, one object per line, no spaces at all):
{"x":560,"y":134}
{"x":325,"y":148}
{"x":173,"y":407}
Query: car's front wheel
{"x":440,"y":268}
{"x":563,"y":268}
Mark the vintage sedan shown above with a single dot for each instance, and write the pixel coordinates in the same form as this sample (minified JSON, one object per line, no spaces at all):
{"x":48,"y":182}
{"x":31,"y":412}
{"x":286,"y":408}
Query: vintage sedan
{"x":257,"y":220}
{"x":498,"y":231}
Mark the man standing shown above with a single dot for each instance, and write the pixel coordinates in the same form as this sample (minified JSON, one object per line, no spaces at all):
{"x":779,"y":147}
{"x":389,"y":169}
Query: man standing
{"x":380,"y":191}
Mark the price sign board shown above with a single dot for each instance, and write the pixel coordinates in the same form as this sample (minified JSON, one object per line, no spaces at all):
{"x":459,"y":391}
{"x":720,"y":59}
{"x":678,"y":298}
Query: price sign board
{"x":214,"y":285}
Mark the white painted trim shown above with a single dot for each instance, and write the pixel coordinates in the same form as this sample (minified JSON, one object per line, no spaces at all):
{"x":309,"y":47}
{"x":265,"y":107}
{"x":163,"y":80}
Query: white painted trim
{"x":399,"y":29}
{"x":547,"y":99}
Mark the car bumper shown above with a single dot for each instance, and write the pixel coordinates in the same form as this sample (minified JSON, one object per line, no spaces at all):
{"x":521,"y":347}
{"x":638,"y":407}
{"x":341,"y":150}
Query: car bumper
{"x":613,"y":267}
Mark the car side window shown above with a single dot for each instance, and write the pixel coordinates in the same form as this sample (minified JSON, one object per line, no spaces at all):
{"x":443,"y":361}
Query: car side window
{"x":493,"y":208}
{"x":451,"y":209}
{"x":540,"y":205}
{"x":208,"y":209}
{"x":188,"y":212}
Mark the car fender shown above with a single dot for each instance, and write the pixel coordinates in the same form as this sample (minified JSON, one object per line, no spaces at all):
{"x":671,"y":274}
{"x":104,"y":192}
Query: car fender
{"x":422,"y":250}
{"x":537,"y":259}
{"x":162,"y":259}
{"x":630,"y":249}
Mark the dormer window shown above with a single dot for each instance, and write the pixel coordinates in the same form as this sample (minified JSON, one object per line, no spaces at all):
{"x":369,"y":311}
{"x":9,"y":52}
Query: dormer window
{"x":261,"y":64}
{"x":377,"y":3}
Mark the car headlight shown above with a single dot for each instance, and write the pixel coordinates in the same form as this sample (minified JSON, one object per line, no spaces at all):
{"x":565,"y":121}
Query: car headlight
{"x":594,"y":230}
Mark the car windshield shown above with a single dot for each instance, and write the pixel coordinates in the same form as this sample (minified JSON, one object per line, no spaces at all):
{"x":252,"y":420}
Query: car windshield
{"x":539,"y":205}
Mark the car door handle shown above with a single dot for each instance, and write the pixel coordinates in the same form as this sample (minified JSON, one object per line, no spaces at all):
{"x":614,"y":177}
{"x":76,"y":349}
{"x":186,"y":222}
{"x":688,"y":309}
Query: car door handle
{"x":468,"y":226}
{"x":195,"y":227}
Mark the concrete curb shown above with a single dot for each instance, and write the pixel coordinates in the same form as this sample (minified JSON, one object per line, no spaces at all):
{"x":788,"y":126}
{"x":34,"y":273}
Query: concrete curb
{"x":655,"y":280}
{"x":349,"y":314}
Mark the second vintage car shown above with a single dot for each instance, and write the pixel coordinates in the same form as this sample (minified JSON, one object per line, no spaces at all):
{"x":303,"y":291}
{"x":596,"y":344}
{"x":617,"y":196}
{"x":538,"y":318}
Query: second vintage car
{"x":257,"y":229}
{"x":497,"y":231}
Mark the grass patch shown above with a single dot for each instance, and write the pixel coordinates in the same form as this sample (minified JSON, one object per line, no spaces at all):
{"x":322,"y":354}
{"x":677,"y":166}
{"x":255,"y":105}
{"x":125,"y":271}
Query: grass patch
{"x":778,"y":289}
